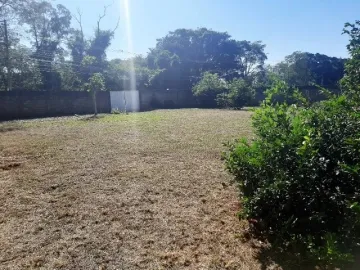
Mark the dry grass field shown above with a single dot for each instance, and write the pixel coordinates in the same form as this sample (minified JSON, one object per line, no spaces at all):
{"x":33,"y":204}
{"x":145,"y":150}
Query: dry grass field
{"x":138,"y":191}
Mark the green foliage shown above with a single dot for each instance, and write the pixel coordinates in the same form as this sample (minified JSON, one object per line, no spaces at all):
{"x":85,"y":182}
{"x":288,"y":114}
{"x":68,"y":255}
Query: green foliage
{"x":96,"y":83}
{"x":241,"y":93}
{"x":281,"y":92}
{"x":212,"y":91}
{"x":299,"y":178}
{"x":27,"y":75}
{"x":119,"y":72}
{"x":185,"y":54}
{"x":351,"y":81}
{"x":306,"y":69}
{"x":48,"y":27}
{"x":99,"y":44}
{"x":208,"y":88}
{"x":45,"y":65}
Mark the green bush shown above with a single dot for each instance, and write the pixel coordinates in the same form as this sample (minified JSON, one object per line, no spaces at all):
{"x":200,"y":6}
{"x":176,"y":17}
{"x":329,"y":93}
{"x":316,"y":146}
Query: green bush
{"x":208,"y":88}
{"x":222,"y":100}
{"x":300,"y":177}
{"x":240,"y":93}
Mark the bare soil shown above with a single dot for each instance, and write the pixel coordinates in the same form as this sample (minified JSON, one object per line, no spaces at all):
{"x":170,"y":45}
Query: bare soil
{"x":138,"y":191}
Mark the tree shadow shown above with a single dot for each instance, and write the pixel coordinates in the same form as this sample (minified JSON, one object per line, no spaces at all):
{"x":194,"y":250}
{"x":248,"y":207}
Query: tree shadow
{"x":356,"y":264}
{"x":10,"y":126}
{"x":268,"y":257}
{"x":91,"y":118}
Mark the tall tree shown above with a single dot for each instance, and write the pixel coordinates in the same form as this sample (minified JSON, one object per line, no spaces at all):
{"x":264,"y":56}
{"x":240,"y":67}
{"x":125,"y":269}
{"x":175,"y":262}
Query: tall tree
{"x":119,"y":72}
{"x":185,"y":54}
{"x":351,"y":80}
{"x":304,"y":69}
{"x":91,"y":48}
{"x":9,"y":37}
{"x":48,"y":26}
{"x":250,"y":58}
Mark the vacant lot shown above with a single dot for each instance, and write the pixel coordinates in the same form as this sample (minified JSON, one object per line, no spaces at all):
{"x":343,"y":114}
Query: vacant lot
{"x":138,"y":191}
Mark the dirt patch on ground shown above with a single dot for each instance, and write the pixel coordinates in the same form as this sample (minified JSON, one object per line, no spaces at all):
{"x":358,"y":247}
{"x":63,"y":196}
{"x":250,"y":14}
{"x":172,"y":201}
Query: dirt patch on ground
{"x":137,"y":191}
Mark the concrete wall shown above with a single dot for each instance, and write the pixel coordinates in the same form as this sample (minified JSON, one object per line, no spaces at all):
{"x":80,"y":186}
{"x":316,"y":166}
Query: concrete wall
{"x":125,"y":100}
{"x":165,"y":99}
{"x":31,"y":104}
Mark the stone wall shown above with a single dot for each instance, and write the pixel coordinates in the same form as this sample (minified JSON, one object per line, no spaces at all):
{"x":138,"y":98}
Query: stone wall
{"x":32,"y":104}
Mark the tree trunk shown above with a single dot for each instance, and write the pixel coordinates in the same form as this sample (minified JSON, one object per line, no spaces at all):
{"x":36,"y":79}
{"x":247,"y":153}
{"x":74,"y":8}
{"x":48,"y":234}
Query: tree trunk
{"x":95,"y":104}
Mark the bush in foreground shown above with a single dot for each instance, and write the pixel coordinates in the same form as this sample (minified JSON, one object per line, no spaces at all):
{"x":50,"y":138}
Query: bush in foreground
{"x":299,"y":178}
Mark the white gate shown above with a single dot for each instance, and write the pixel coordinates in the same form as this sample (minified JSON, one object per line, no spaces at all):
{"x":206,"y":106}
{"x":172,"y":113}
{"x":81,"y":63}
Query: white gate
{"x":127,"y":100}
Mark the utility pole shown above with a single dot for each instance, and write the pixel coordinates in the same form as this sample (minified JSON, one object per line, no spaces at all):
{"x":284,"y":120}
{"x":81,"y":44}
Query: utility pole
{"x":7,"y":56}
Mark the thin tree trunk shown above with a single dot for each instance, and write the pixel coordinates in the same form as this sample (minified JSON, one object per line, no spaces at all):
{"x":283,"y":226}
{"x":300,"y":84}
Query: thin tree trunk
{"x":95,"y":104}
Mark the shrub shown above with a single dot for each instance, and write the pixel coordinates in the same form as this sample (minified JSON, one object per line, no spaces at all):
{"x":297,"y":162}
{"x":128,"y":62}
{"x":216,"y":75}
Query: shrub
{"x":300,"y":177}
{"x":208,"y":88}
{"x":212,"y":91}
{"x":240,"y":93}
{"x":223,"y":101}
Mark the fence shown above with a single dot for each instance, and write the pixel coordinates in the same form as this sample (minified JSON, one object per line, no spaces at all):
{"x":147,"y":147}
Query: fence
{"x":31,"y":104}
{"x":166,"y":99}
{"x":125,"y":100}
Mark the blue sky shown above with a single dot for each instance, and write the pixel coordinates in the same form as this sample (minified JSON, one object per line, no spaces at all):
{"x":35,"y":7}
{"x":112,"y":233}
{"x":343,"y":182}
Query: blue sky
{"x":284,"y":26}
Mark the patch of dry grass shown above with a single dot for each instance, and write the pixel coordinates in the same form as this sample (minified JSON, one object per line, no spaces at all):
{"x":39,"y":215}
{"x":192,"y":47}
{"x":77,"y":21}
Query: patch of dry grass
{"x":137,"y":191}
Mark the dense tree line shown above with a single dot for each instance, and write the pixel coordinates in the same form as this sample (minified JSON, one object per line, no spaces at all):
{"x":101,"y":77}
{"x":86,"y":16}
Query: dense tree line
{"x":63,"y":58}
{"x":304,"y":69}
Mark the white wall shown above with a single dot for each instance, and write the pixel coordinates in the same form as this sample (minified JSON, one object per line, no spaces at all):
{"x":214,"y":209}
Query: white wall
{"x":129,"y":99}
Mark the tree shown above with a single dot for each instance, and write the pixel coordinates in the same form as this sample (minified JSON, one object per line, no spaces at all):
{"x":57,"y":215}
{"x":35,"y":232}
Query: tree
{"x":185,"y":54}
{"x":119,"y":72}
{"x":48,"y":26}
{"x":96,"y":83}
{"x":208,"y":88}
{"x":7,"y":6}
{"x":162,"y":59}
{"x":26,"y":73}
{"x":250,"y":58}
{"x":351,"y":80}
{"x":305,"y":69}
{"x":326,"y":71}
{"x":241,"y":93}
{"x":9,"y":37}
{"x":93,"y":48}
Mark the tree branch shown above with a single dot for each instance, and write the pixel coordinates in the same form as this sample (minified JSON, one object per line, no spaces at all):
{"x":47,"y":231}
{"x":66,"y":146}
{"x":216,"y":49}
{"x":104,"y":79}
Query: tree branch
{"x":103,"y":15}
{"x":117,"y":25}
{"x":79,"y":21}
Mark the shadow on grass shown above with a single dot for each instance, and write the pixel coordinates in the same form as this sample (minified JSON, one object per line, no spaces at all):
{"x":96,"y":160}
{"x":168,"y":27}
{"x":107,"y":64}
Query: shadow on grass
{"x":92,"y":117}
{"x":7,"y":127}
{"x":268,"y":257}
